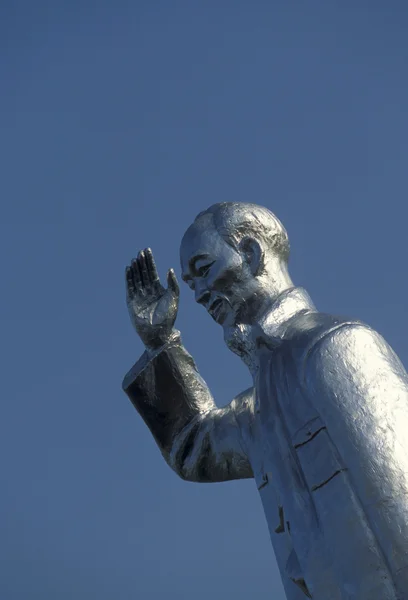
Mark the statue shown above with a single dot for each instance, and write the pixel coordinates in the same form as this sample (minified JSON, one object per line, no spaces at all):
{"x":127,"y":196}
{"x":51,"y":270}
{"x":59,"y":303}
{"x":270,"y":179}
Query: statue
{"x":324,"y":429}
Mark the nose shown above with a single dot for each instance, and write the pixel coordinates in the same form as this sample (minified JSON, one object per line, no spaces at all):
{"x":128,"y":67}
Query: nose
{"x":202,"y":295}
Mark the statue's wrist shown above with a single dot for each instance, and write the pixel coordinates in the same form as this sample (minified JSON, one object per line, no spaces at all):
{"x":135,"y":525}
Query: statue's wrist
{"x":155,"y":346}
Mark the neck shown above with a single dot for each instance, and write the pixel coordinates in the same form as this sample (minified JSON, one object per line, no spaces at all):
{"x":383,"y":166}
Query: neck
{"x":275,"y":279}
{"x":270,"y":285}
{"x":241,"y":337}
{"x":269,"y":328}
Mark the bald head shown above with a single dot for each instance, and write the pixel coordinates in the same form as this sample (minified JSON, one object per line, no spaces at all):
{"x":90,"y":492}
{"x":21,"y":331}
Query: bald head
{"x":235,"y":221}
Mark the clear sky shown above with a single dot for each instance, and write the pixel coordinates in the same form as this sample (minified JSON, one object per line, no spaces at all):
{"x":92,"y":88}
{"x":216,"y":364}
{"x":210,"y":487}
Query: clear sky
{"x":120,"y":121}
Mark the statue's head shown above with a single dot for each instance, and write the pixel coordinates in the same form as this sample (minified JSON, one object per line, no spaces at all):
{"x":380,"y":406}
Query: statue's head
{"x":234,"y":256}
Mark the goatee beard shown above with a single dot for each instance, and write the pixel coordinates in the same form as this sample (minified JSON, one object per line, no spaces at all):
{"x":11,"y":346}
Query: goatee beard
{"x":239,"y":340}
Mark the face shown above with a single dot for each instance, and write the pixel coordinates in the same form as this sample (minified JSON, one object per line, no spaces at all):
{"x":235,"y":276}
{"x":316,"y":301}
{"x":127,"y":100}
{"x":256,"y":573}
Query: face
{"x":218,"y":274}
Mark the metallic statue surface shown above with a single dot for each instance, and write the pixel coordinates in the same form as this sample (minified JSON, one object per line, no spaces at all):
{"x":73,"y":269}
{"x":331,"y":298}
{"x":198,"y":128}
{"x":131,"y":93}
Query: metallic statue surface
{"x":324,"y":428}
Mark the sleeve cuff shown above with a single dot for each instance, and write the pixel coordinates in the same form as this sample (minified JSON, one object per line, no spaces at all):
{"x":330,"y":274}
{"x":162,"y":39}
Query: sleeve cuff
{"x":147,"y":356}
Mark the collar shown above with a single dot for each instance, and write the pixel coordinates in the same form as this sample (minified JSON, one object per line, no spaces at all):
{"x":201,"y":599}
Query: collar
{"x":272,"y":327}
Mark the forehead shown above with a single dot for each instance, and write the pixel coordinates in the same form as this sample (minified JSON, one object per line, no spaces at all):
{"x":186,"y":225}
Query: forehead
{"x":201,"y":239}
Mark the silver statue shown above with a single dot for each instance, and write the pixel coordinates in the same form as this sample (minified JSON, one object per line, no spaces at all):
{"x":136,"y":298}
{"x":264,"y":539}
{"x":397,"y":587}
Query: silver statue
{"x":324,"y":429}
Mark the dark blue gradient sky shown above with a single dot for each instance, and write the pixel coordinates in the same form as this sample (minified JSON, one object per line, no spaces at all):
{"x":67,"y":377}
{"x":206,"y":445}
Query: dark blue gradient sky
{"x":120,"y":121}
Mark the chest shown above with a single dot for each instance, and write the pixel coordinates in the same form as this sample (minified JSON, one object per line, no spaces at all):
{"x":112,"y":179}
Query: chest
{"x":290,"y":449}
{"x":284,"y":415}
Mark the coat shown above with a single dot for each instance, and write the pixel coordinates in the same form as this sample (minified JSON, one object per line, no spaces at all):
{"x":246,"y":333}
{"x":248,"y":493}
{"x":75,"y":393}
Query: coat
{"x":323,"y":432}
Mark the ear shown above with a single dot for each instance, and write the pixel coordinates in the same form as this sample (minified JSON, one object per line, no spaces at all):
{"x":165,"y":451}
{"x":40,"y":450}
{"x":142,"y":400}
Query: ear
{"x":253,"y":254}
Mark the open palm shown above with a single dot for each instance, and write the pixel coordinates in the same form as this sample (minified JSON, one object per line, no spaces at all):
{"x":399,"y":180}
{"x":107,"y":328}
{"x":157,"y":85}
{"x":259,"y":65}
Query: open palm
{"x":152,"y":308}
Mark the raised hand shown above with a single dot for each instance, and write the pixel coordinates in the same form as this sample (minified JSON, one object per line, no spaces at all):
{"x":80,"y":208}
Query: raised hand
{"x":152,"y":308}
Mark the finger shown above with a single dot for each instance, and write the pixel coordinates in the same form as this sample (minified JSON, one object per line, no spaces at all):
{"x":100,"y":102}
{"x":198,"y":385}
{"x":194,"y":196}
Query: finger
{"x":151,"y":266}
{"x":137,"y":280}
{"x":172,"y":282}
{"x":130,"y":284}
{"x":141,"y":259}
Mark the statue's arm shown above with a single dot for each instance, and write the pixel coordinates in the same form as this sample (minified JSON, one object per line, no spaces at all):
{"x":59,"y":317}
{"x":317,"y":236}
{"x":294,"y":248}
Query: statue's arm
{"x":198,"y":440}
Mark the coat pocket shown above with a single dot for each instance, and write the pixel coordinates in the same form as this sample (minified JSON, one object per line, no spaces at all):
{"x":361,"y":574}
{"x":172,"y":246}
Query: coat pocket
{"x":317,"y":455}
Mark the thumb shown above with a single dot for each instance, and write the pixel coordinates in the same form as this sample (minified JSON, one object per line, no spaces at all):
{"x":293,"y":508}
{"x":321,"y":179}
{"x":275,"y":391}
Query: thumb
{"x":172,"y":282}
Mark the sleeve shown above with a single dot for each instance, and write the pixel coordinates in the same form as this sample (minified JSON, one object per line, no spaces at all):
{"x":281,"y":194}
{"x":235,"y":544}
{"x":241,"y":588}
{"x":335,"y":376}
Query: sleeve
{"x":199,"y":441}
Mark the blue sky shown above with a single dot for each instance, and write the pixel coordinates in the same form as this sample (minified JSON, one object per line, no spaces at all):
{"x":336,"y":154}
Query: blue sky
{"x":120,"y":122}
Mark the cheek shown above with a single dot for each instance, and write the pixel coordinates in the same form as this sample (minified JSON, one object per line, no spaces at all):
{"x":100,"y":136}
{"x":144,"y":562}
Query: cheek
{"x":226,"y":276}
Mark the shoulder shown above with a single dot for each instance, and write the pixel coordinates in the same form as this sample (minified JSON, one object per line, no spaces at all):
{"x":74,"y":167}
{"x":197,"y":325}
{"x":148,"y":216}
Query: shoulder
{"x":323,"y":339}
{"x":306,"y":330}
{"x":348,"y":337}
{"x":355,"y":352}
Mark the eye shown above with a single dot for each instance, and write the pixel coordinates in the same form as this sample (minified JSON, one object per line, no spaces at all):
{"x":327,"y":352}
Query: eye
{"x":203,"y":271}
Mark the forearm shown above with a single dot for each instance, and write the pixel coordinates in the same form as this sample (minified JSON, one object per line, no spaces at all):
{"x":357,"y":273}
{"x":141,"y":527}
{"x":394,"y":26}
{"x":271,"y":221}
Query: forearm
{"x":167,"y":391}
{"x":199,"y":441}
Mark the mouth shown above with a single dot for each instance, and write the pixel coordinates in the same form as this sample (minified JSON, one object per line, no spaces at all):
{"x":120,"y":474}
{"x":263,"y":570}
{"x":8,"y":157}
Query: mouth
{"x":217,"y":310}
